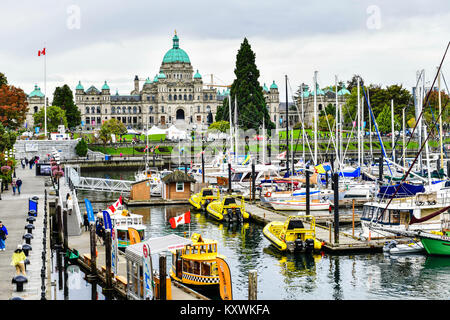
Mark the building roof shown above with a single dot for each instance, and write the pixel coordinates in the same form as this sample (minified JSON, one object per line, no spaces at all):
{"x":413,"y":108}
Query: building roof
{"x":197,"y":75}
{"x":155,"y":79}
{"x":273,"y":85}
{"x":343,"y":91}
{"x":176,"y":54}
{"x":161,"y":75}
{"x":178,"y":176}
{"x":79,"y":86}
{"x":265,"y":88}
{"x":36,"y":92}
{"x":105,"y":86}
{"x":92,"y":90}
{"x":148,"y":81}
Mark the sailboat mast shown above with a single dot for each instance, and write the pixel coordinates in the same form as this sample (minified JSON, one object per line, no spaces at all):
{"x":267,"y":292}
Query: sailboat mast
{"x":336,"y":118}
{"x":236,"y":129}
{"x":315,"y":117}
{"x":392,"y":128}
{"x":370,"y":128}
{"x":358,"y":124}
{"x":303,"y":124}
{"x":264,"y":142}
{"x":362,"y":130}
{"x":231,"y":129}
{"x":404,"y":139}
{"x":440,"y":119}
{"x":287,"y":127}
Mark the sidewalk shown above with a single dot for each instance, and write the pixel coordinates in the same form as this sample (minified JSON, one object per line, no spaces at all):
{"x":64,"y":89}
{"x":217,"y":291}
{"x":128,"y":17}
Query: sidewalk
{"x":13,"y":214}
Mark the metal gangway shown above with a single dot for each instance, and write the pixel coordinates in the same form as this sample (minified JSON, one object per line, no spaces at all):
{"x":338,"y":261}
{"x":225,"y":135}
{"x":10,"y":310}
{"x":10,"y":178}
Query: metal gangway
{"x":96,"y":184}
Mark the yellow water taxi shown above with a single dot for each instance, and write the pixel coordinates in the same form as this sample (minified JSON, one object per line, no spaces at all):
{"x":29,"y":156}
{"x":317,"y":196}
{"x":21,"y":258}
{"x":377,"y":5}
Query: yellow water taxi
{"x":228,"y":210}
{"x":292,"y":235}
{"x":201,"y":199}
{"x":195,"y":264}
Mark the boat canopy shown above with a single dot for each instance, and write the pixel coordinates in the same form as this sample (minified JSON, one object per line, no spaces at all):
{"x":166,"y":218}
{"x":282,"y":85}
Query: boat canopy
{"x":405,"y":190}
{"x":353,"y":174}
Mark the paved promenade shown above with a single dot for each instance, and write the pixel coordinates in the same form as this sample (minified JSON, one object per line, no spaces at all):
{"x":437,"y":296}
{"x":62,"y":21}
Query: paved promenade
{"x":13,"y":214}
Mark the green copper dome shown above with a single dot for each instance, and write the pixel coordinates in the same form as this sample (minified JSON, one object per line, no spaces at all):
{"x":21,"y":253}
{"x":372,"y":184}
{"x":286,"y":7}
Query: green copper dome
{"x":105,"y":86}
{"x":148,"y":81}
{"x":36,"y":92}
{"x":161,"y":75}
{"x":273,"y":85}
{"x":176,"y":54}
{"x":197,"y":75}
{"x":343,"y":91}
{"x":265,"y":88}
{"x":155,"y":79}
{"x":79,"y":86}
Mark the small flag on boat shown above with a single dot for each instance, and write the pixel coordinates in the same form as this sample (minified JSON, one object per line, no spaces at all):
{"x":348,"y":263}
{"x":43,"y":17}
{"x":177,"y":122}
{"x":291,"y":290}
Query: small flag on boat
{"x":282,"y":155}
{"x":41,"y":52}
{"x":181,"y":219}
{"x":118,"y":203}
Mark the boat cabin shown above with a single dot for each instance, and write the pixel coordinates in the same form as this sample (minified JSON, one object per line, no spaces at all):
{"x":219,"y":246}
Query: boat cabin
{"x":390,"y":216}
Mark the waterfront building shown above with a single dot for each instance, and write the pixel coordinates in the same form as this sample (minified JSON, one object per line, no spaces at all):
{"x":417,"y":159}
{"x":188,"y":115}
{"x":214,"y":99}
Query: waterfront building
{"x":175,"y":95}
{"x":35,"y":103}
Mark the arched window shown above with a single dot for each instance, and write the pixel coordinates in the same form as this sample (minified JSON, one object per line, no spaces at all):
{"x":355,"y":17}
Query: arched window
{"x":87,"y":109}
{"x":36,"y":109}
{"x":185,"y":97}
{"x":206,"y":96}
{"x":99,"y":110}
{"x":124,"y":109}
{"x":170,"y":97}
{"x":92,"y":109}
{"x":190,"y":97}
{"x":113,"y":110}
{"x":210,"y":97}
{"x":134,"y":109}
{"x":180,"y":97}
{"x":140,"y":109}
{"x":150,"y":109}
{"x":175,"y":97}
{"x":129,"y":110}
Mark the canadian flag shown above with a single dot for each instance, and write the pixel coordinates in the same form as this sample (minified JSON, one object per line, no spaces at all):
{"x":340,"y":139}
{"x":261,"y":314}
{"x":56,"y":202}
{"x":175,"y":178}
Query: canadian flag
{"x":181,"y":219}
{"x":117,"y":204}
{"x":282,"y":155}
{"x":41,"y":52}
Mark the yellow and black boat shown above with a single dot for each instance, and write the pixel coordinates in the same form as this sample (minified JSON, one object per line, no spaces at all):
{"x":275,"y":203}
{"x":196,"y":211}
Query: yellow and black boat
{"x":201,"y":199}
{"x":195,"y":265}
{"x":227,"y":209}
{"x":292,"y":235}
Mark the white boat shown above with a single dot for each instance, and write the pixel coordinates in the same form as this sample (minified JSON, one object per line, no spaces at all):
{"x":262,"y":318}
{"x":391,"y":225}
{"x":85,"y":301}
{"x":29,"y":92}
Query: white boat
{"x":412,"y":247}
{"x":403,"y":214}
{"x":300,"y":205}
{"x":122,"y":220}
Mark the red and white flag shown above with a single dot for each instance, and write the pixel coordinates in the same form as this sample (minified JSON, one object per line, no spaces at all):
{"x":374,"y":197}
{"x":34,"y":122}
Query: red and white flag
{"x":41,"y":52}
{"x":282,"y":155}
{"x":117,"y":204}
{"x":181,"y":219}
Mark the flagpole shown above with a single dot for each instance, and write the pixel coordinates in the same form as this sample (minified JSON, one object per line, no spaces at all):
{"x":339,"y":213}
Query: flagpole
{"x":45,"y":91}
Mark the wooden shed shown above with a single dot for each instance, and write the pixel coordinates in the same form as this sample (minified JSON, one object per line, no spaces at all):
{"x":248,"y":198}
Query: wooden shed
{"x":177,"y":186}
{"x":140,"y":190}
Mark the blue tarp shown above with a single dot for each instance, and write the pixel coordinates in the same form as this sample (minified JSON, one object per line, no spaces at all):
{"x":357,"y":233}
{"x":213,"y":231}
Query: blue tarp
{"x":353,"y":174}
{"x":405,"y":190}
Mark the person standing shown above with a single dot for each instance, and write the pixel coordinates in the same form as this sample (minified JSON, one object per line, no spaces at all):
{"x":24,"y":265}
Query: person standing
{"x":22,"y":162}
{"x":69,"y":203}
{"x":18,"y":260}
{"x":13,"y":185}
{"x":18,"y":184}
{"x":86,"y":222}
{"x":3,"y":236}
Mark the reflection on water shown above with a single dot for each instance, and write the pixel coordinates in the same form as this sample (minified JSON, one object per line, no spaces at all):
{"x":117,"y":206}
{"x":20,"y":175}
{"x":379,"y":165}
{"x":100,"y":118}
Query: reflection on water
{"x":302,"y":276}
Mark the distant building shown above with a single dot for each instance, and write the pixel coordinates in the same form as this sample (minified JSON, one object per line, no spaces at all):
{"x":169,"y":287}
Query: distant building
{"x":175,"y":95}
{"x":35,"y":103}
{"x":323,"y":98}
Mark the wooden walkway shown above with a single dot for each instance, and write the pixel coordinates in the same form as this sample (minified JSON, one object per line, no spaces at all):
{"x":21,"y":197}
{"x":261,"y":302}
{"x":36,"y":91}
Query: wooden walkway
{"x":325,"y":234}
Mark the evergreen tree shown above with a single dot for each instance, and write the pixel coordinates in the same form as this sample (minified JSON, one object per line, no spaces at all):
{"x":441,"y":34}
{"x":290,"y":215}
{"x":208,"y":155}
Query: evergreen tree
{"x":63,"y":98}
{"x":3,"y":79}
{"x":55,"y":117}
{"x":251,"y":105}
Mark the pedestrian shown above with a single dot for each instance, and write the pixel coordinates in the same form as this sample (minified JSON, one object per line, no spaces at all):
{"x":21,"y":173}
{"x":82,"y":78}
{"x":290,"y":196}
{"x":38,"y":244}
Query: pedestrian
{"x":3,"y":236}
{"x":31,"y":163}
{"x":18,"y":260}
{"x":22,"y":162}
{"x":86,"y":222}
{"x":100,"y":231}
{"x":13,"y":185}
{"x":18,"y":184}
{"x":69,"y":204}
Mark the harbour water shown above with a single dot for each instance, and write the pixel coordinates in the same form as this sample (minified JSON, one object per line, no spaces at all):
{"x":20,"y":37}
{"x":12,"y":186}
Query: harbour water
{"x":302,"y":276}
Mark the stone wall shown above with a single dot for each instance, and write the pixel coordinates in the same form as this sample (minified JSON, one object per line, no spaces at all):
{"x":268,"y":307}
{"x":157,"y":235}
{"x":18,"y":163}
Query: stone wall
{"x":40,"y":148}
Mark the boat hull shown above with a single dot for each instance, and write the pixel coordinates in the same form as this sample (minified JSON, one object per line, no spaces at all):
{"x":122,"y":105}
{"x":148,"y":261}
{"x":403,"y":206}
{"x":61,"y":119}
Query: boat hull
{"x":437,"y":246}
{"x":299,"y":206}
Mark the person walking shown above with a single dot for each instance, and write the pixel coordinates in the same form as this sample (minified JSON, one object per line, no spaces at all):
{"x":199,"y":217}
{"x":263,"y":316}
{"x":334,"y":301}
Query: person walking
{"x":3,"y":236}
{"x":18,"y":260}
{"x":22,"y":162}
{"x":18,"y":184}
{"x":86,"y":222}
{"x":14,"y":185}
{"x":69,"y":204}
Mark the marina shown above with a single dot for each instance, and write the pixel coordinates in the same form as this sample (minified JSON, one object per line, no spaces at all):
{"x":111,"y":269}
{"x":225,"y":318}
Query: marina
{"x":247,"y":161}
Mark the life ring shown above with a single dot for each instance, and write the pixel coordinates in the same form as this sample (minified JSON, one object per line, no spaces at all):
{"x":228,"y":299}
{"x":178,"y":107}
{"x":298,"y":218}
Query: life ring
{"x":268,"y":194}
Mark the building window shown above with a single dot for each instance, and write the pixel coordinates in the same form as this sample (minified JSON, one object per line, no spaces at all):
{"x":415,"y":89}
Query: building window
{"x":175,"y":97}
{"x":179,"y":97}
{"x":99,"y":110}
{"x":150,"y":109}
{"x":150,"y":119}
{"x":198,"y":109}
{"x":210,"y":97}
{"x":134,"y":109}
{"x":170,"y":96}
{"x":185,"y":97}
{"x":36,"y":108}
{"x":180,"y":186}
{"x":190,"y":97}
{"x":124,"y":110}
{"x":113,"y":110}
{"x":162,"y":109}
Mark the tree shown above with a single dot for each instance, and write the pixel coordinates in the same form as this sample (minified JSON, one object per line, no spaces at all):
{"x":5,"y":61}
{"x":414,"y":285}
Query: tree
{"x":251,"y":105}
{"x":63,"y":98}
{"x":384,"y":120}
{"x":13,"y":106}
{"x":55,"y":117}
{"x":81,"y":148}
{"x":353,"y":82}
{"x":3,"y":79}
{"x":111,"y":126}
{"x":222,"y":126}
{"x":7,"y":139}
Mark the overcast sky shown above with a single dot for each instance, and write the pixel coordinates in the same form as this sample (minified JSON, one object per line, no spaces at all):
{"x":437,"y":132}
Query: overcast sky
{"x":385,"y":42}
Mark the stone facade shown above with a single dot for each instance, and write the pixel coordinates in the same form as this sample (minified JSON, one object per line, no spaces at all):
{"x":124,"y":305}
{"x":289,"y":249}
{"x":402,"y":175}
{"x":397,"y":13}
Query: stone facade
{"x":35,"y":103}
{"x":175,"y":96}
{"x":40,"y":148}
